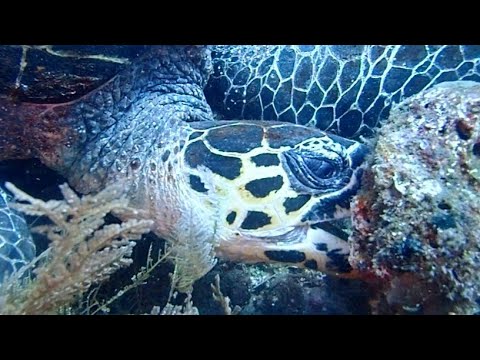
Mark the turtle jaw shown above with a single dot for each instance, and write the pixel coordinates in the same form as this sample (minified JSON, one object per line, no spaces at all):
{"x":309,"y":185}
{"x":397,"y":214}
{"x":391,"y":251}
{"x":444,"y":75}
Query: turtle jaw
{"x":357,"y":154}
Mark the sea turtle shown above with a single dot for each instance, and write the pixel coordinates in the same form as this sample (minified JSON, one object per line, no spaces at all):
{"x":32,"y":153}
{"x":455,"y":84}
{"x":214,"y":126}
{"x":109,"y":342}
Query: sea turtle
{"x":245,"y":190}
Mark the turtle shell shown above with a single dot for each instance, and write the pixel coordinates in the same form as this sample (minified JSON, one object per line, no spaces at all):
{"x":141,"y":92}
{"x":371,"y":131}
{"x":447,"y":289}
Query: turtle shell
{"x":60,"y":73}
{"x":16,"y":245}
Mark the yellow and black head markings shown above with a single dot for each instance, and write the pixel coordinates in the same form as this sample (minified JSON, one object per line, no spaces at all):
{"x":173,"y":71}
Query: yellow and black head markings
{"x":270,"y":182}
{"x":231,"y":217}
{"x":295,"y":203}
{"x":197,"y":184}
{"x":249,"y":137}
{"x":309,"y":247}
{"x":228,"y":167}
{"x":261,"y":188}
{"x":265,"y":160}
{"x":256,"y":220}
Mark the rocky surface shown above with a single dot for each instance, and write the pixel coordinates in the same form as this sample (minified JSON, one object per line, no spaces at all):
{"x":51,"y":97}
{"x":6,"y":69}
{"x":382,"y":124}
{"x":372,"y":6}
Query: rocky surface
{"x":417,"y":219}
{"x":274,"y":290}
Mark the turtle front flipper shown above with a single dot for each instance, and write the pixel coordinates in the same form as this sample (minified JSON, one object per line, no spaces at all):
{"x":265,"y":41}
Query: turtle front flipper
{"x":308,"y":247}
{"x":114,"y":129}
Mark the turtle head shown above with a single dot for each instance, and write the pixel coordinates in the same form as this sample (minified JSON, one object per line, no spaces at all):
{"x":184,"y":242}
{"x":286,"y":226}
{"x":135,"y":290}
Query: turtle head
{"x":326,"y":170}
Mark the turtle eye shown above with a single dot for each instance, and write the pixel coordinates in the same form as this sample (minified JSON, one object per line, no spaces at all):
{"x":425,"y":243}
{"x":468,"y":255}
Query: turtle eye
{"x":316,"y":173}
{"x":321,"y":168}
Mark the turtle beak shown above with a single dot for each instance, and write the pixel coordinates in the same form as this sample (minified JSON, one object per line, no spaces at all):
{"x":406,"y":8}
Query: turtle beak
{"x":357,"y":153}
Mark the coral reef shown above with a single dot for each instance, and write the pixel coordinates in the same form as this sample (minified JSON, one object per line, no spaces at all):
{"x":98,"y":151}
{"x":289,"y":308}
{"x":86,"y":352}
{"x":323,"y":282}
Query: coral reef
{"x":222,"y":300}
{"x":417,"y":218}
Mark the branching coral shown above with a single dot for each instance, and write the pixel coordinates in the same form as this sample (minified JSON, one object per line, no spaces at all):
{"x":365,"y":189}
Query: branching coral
{"x":83,"y":250}
{"x":223,"y":300}
{"x":169,"y":309}
{"x":92,"y":306}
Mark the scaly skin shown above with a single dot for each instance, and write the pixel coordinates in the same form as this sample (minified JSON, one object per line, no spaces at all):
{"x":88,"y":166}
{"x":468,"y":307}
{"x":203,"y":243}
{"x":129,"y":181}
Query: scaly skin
{"x":94,"y":139}
{"x":122,"y":132}
{"x":136,"y":128}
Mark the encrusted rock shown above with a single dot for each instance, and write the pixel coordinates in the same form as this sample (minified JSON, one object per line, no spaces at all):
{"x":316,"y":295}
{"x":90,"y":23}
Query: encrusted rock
{"x":417,"y":218}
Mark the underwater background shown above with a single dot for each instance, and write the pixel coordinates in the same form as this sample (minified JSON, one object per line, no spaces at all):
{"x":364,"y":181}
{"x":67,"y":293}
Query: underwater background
{"x":413,"y":227}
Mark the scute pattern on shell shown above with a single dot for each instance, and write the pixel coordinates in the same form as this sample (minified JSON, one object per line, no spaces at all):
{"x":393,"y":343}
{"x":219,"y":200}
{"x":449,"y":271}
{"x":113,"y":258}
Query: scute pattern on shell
{"x":341,"y":88}
{"x":16,"y":244}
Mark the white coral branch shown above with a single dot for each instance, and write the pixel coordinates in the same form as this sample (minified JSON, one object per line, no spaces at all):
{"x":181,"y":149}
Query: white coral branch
{"x":82,"y":251}
{"x":224,"y":301}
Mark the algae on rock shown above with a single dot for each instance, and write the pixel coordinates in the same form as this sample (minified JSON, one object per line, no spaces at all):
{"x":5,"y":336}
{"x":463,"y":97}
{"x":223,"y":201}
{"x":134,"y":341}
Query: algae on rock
{"x":417,"y":217}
